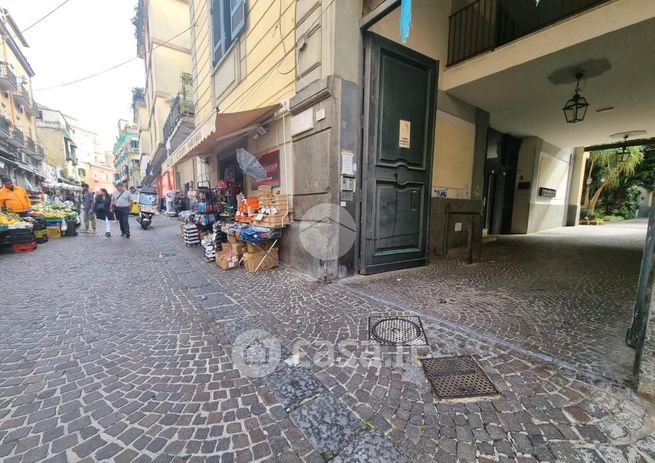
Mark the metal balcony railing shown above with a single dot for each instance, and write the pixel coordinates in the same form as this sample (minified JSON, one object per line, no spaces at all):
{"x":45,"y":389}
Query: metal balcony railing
{"x":5,"y":125}
{"x":487,"y":24}
{"x":29,"y":143}
{"x":18,"y":136}
{"x":8,"y":75}
{"x":181,"y":107}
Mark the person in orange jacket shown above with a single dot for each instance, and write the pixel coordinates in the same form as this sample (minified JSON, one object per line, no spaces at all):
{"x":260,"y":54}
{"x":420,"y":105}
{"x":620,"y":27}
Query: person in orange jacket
{"x":14,"y":198}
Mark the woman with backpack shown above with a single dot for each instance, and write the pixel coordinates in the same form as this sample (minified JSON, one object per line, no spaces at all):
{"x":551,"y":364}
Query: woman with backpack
{"x":102,"y":208}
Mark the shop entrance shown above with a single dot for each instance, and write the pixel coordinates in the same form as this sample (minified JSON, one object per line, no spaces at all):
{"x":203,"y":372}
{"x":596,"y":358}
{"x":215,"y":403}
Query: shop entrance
{"x":399,"y":108}
{"x":500,"y":182}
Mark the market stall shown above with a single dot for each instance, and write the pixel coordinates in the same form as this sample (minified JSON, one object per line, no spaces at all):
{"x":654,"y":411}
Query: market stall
{"x":16,"y":234}
{"x":240,"y":221}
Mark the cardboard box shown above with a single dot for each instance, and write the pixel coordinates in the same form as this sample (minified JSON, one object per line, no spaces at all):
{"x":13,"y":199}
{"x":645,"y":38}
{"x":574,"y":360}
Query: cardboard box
{"x":237,"y":249}
{"x":232,"y":239}
{"x":227,"y":261}
{"x":255,"y":248}
{"x":251,"y":261}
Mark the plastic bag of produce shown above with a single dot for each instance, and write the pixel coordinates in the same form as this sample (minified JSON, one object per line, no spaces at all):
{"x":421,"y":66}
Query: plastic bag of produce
{"x":64,"y":225}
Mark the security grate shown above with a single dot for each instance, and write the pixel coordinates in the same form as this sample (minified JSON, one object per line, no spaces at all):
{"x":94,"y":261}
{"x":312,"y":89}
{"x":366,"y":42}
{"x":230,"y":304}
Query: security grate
{"x":397,"y":331}
{"x":457,"y":377}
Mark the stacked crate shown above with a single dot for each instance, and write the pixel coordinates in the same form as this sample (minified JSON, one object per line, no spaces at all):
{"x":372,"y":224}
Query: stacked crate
{"x":275,"y":209}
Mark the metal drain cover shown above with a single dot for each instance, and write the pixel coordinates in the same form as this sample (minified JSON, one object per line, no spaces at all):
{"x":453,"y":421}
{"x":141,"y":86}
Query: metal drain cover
{"x":397,"y":331}
{"x":457,"y":377}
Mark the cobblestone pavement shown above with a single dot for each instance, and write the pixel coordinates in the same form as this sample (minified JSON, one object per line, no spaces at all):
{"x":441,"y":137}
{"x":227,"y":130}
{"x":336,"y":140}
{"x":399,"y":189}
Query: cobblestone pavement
{"x":124,"y":351}
{"x":568,"y":293}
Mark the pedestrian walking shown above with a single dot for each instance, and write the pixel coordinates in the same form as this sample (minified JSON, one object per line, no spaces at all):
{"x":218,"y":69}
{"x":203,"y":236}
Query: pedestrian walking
{"x":121,"y":203}
{"x":14,"y":198}
{"x":102,"y":208}
{"x":88,"y":213}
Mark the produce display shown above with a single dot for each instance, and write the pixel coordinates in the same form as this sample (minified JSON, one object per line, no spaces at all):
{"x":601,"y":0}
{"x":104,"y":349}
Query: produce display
{"x":50,"y":212}
{"x":9,"y":221}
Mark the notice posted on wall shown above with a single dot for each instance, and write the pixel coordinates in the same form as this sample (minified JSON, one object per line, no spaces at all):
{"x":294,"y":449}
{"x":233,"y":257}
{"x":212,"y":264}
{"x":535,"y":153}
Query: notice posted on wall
{"x":404,"y":134}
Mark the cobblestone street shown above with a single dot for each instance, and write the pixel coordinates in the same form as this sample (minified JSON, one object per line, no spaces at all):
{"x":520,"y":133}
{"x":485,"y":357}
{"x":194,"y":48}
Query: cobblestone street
{"x":122,"y":350}
{"x":568,"y":293}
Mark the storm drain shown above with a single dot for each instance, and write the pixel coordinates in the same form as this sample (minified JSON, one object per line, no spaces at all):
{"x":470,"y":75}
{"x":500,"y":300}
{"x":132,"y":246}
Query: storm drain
{"x":397,"y":331}
{"x":457,"y":377}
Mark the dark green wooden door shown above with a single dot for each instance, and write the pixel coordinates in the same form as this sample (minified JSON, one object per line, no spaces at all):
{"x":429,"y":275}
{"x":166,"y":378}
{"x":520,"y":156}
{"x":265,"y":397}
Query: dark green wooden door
{"x":399,"y":108}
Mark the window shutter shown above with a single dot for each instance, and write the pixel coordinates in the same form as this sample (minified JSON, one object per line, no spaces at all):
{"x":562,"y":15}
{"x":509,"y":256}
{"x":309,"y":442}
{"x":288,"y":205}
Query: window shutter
{"x":218,"y":37}
{"x":237,"y":17}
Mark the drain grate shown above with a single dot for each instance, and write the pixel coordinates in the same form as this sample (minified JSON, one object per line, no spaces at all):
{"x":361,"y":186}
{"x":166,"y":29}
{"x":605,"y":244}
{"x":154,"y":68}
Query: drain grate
{"x":457,"y":377}
{"x":397,"y":331}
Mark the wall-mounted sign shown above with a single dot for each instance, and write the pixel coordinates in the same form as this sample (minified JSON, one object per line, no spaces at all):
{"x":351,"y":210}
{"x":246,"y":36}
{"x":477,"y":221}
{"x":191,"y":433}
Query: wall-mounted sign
{"x":405,"y":134}
{"x":547,"y":192}
{"x":271,"y":162}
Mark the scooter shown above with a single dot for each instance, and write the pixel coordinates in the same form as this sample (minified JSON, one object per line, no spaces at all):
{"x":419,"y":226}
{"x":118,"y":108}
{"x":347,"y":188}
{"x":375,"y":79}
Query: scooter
{"x":147,"y":206}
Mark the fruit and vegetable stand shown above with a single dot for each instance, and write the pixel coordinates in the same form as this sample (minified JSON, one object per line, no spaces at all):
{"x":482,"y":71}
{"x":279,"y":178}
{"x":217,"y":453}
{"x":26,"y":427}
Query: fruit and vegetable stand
{"x":22,"y":234}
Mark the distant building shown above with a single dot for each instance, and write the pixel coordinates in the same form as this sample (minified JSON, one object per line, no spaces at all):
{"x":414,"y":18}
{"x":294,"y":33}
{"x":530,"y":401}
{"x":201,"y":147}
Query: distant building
{"x":127,"y":158}
{"x":54,"y":132}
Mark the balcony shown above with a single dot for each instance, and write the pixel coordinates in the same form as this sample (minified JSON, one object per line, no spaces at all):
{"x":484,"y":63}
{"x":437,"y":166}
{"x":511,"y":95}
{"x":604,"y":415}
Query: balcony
{"x":22,"y":97}
{"x":8,"y":81}
{"x":32,"y":109}
{"x":487,"y":24}
{"x":40,"y":152}
{"x":5,"y":127}
{"x":16,"y":139}
{"x":180,"y":122}
{"x":30,"y":146}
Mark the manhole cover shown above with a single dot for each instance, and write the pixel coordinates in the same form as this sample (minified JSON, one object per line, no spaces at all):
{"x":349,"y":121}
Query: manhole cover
{"x":457,"y":377}
{"x":397,"y":331}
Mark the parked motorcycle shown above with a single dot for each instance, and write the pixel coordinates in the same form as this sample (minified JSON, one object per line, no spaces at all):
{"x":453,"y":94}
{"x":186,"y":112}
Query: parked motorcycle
{"x":147,"y":206}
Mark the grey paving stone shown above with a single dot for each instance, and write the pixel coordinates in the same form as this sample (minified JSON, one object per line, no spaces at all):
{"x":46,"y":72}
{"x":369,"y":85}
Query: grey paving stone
{"x":327,"y":423}
{"x":293,"y":384}
{"x":371,"y":447}
{"x":213,"y":300}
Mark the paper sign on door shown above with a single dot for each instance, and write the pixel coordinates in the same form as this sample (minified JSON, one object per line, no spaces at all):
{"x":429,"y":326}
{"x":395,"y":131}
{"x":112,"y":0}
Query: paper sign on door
{"x":405,"y":134}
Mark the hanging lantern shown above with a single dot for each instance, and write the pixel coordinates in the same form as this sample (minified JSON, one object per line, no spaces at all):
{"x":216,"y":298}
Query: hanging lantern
{"x":623,"y":155}
{"x":576,"y":108}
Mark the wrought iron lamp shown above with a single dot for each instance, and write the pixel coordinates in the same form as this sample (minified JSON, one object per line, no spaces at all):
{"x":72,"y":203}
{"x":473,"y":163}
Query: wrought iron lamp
{"x":576,"y":108}
{"x":623,"y":154}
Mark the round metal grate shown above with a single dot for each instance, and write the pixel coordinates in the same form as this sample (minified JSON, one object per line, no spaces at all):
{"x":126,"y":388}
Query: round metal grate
{"x":395,"y":331}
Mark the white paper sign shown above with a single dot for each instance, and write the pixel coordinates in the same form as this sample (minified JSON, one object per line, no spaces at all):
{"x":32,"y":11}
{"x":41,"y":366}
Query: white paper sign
{"x":347,"y":158}
{"x":405,"y":134}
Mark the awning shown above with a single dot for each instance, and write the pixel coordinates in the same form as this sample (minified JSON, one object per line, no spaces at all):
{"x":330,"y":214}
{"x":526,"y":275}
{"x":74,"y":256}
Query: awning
{"x":217,"y":128}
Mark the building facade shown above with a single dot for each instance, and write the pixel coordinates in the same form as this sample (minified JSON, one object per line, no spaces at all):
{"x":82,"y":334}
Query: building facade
{"x":421,"y":126}
{"x":127,"y":156}
{"x":60,"y":158}
{"x":20,"y":155}
{"x":165,"y":113}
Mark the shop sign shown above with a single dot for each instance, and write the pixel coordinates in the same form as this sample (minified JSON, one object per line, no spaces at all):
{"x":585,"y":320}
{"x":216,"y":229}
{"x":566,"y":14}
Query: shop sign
{"x":271,"y":162}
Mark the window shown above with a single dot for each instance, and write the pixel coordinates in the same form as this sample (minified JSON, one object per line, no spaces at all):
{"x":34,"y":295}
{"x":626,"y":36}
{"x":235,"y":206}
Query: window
{"x":81,"y":172}
{"x":134,"y":144}
{"x":228,"y":21}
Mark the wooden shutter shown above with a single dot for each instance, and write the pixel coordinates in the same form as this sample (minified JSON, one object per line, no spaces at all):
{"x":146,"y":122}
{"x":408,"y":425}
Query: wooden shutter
{"x":237,"y":17}
{"x":218,"y":33}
